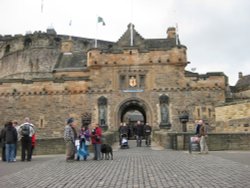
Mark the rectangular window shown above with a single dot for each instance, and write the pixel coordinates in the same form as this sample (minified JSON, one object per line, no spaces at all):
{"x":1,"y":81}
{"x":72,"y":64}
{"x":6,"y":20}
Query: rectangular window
{"x":198,"y":113}
{"x":122,"y":81}
{"x":142,"y":81}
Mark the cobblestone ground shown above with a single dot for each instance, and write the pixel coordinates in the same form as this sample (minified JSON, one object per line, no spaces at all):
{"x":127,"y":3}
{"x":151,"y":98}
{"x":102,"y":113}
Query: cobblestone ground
{"x":135,"y":167}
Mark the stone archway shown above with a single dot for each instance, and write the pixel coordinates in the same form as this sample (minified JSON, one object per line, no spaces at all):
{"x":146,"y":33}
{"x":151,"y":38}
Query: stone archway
{"x":133,"y":105}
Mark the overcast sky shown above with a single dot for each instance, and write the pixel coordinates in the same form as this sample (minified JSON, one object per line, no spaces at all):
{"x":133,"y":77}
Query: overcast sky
{"x":216,"y":32}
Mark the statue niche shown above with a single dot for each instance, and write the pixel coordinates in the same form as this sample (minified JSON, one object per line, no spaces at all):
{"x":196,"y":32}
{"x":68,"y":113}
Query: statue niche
{"x":164,"y":109}
{"x":102,"y":110}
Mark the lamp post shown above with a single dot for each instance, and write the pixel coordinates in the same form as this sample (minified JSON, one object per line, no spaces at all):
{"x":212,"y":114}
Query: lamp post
{"x":184,"y":117}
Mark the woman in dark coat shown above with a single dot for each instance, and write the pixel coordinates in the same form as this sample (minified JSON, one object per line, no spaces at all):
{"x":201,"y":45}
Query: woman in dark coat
{"x":10,"y":139}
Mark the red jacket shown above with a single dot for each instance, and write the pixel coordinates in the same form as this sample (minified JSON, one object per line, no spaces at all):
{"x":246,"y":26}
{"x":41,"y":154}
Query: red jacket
{"x":33,"y":140}
{"x":96,"y":135}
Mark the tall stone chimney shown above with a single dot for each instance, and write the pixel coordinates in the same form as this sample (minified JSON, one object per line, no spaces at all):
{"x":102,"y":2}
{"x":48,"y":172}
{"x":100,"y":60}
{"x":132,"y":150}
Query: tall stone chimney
{"x":171,"y":32}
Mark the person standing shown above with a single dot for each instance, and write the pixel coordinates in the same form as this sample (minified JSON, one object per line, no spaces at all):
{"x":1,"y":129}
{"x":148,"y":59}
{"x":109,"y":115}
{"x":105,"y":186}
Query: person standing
{"x":96,"y":135}
{"x":84,"y":137}
{"x":3,"y":142}
{"x":10,"y":139}
{"x":70,"y":136}
{"x":33,"y":144}
{"x":139,"y":133}
{"x":147,"y":132}
{"x":26,"y":132}
{"x":15,"y":124}
{"x":202,"y":133}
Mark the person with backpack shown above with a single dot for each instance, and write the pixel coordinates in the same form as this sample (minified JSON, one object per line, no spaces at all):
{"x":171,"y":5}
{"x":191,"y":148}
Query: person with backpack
{"x":26,"y":131}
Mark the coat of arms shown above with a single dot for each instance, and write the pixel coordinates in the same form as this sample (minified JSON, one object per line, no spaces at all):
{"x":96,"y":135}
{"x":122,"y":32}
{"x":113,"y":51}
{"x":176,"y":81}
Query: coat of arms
{"x":132,"y":81}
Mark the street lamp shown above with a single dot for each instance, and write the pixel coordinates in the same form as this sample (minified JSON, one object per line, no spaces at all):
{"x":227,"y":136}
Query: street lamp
{"x":184,"y":117}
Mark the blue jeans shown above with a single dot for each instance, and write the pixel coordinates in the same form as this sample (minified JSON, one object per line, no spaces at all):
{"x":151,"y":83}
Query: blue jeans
{"x":10,"y":152}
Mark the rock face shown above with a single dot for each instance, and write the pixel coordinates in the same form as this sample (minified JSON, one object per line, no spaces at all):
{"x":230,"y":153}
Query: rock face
{"x":50,"y":77}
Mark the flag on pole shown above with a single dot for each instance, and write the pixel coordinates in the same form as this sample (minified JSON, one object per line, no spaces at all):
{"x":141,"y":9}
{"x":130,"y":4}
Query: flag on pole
{"x":100,"y":20}
{"x":42,"y":6}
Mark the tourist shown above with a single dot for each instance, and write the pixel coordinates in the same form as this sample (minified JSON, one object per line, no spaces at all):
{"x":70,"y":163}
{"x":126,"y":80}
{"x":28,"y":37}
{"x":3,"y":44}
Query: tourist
{"x":3,"y":142}
{"x":26,"y":131}
{"x":10,"y":139}
{"x":139,"y":133}
{"x":15,"y":124}
{"x":202,"y":134}
{"x":70,"y":136}
{"x":96,"y":135}
{"x":123,"y":131}
{"x":33,"y":144}
{"x":84,"y":137}
{"x":147,"y":132}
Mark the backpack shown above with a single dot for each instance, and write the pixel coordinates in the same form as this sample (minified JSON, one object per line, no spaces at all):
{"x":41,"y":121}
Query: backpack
{"x":25,"y":130}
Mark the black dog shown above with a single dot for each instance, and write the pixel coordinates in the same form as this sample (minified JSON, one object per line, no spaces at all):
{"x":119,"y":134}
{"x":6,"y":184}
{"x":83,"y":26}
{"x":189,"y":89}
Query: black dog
{"x":107,"y":150}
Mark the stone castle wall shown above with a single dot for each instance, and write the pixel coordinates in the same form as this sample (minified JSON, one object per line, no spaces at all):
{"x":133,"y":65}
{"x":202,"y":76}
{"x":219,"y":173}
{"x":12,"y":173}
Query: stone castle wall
{"x":30,"y":87}
{"x":48,"y":104}
{"x":233,"y":117}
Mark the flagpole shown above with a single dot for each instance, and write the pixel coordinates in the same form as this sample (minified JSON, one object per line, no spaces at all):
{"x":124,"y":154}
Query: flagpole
{"x":41,"y":6}
{"x":131,"y":26}
{"x":96,"y":25}
{"x":96,"y":33}
{"x":176,"y":33}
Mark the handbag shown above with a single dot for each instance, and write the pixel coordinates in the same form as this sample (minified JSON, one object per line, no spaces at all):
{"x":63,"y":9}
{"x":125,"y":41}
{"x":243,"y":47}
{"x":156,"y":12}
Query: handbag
{"x":87,"y":143}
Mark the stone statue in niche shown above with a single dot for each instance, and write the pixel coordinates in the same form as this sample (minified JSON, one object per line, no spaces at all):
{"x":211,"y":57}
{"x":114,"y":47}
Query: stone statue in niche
{"x":165,"y":122}
{"x":102,"y":115}
{"x":102,"y":106}
{"x":164,"y":113}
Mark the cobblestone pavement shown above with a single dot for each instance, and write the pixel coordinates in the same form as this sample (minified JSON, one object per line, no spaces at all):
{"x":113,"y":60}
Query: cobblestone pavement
{"x":134,"y":167}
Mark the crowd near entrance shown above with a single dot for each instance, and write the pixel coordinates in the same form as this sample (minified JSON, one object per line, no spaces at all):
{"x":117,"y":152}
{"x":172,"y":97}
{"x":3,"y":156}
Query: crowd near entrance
{"x":130,"y":113}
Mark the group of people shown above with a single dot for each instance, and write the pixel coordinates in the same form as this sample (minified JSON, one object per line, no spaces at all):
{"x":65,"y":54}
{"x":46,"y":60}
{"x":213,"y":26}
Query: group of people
{"x":77,"y":144}
{"x":201,"y":132}
{"x":141,"y":130}
{"x":11,"y":134}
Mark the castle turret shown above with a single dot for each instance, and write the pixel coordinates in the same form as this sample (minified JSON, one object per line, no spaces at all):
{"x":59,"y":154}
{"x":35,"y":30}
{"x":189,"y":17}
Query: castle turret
{"x":240,"y":75}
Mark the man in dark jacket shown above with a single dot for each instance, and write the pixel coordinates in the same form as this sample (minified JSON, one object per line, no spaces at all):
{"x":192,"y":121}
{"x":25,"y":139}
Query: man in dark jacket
{"x":3,"y":143}
{"x":10,"y":139}
{"x":139,"y":133}
{"x":147,"y":132}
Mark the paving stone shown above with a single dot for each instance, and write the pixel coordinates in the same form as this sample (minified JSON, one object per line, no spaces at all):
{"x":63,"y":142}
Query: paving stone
{"x":131,"y":168}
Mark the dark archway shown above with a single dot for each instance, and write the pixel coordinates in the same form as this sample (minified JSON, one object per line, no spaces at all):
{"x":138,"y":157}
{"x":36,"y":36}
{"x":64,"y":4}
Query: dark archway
{"x":132,"y":111}
{"x":133,"y":106}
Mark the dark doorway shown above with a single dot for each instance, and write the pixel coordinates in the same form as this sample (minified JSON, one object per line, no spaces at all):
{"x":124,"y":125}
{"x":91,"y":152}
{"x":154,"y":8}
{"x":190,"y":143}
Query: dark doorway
{"x":131,"y":112}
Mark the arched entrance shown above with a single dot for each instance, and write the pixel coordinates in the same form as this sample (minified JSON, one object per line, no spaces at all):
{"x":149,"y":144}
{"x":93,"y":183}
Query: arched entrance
{"x":133,"y":110}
